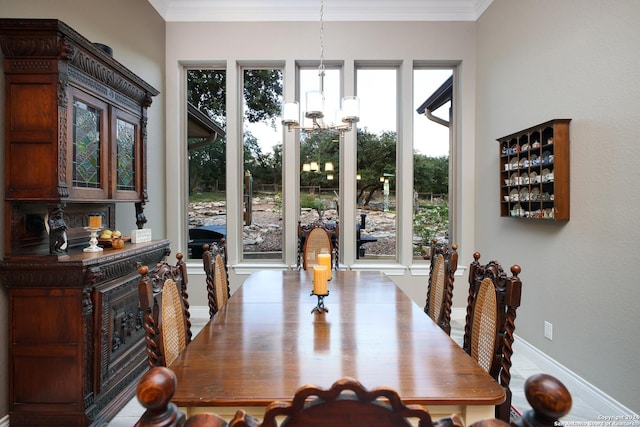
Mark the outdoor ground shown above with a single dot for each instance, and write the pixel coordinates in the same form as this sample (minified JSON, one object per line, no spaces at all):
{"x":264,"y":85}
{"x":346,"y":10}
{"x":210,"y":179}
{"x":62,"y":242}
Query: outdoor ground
{"x":265,"y":232}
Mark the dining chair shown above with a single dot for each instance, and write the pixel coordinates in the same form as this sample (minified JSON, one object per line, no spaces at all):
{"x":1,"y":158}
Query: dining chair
{"x":345,"y":403}
{"x":490,"y":321}
{"x":444,"y":263}
{"x":315,"y":238}
{"x":214,"y":259}
{"x":164,"y":302}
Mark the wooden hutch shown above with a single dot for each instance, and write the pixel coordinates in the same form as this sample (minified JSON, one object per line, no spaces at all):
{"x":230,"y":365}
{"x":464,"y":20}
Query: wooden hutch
{"x":75,"y":144}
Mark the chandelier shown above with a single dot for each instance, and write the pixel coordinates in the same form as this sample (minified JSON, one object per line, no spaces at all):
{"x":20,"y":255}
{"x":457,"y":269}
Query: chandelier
{"x":344,"y":118}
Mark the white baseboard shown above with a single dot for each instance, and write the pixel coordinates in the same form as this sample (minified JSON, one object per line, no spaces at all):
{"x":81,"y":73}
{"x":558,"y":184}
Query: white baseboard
{"x":4,"y":421}
{"x":593,"y":396}
{"x":590,"y":394}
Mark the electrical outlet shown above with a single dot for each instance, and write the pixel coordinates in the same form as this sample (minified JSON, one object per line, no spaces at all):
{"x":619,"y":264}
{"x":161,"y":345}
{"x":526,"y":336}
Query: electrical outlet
{"x":548,"y":330}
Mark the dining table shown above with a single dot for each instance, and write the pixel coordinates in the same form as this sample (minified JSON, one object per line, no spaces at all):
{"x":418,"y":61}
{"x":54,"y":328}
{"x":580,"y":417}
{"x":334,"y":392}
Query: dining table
{"x":274,"y":335}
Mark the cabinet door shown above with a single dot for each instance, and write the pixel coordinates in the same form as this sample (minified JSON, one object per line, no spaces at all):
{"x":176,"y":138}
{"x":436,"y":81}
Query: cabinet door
{"x":126,"y":154}
{"x":87,"y":167}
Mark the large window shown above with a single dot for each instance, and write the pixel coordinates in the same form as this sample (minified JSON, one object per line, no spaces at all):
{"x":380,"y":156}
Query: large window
{"x":432,"y":90}
{"x":372,"y":202}
{"x":262,"y":135}
{"x":377,"y":173}
{"x":206,"y":146}
{"x":320,"y":152}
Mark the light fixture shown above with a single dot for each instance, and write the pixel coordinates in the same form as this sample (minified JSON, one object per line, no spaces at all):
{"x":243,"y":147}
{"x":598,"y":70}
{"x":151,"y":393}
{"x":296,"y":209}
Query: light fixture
{"x":328,"y":166}
{"x":345,"y":117}
{"x":330,"y":176}
{"x":306,"y":167}
{"x":358,"y":177}
{"x":315,"y":167}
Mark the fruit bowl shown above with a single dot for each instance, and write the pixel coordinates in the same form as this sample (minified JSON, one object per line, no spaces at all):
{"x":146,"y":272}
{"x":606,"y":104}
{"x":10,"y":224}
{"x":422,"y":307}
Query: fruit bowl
{"x":107,"y":243}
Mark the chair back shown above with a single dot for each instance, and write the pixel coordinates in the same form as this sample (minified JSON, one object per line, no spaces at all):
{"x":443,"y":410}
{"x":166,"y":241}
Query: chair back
{"x":165,"y":311}
{"x":444,"y":263}
{"x":346,"y":403}
{"x":490,"y":322}
{"x":314,"y":239}
{"x":214,"y":260}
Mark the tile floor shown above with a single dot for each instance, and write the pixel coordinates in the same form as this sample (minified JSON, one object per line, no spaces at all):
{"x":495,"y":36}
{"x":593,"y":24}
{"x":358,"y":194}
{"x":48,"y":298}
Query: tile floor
{"x":522,"y":368}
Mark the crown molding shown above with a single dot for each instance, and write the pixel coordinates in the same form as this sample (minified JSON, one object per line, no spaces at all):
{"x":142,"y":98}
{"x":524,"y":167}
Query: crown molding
{"x":308,"y":10}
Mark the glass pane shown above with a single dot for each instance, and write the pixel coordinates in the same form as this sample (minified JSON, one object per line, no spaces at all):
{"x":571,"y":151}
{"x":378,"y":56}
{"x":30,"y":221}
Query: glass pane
{"x":431,"y":161}
{"x":86,"y":145}
{"x":126,"y":155}
{"x":376,"y":163}
{"x":262,"y":198}
{"x":206,"y":145}
{"x":320,"y":151}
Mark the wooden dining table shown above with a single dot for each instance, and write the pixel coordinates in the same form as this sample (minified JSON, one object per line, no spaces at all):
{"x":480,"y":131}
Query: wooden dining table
{"x":268,"y":341}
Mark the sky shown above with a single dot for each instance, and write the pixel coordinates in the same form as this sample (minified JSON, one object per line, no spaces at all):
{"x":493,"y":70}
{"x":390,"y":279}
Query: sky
{"x":376,"y":89}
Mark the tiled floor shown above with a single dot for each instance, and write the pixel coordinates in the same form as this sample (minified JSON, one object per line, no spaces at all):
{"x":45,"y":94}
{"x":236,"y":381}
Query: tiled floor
{"x":522,"y":368}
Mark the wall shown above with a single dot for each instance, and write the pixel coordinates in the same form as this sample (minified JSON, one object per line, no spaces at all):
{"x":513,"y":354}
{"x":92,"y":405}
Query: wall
{"x":136,"y":33}
{"x":539,"y":60}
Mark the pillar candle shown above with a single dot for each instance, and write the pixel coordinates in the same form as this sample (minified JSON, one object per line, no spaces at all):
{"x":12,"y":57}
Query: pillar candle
{"x":325,"y":259}
{"x":95,"y":221}
{"x":319,"y":279}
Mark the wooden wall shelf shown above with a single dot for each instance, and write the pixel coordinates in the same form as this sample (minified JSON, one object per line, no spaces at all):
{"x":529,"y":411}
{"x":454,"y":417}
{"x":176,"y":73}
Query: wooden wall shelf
{"x":534,"y":172}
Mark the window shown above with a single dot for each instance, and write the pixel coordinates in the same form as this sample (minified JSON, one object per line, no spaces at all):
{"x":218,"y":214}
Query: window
{"x":206,"y":152}
{"x":432,"y":94}
{"x":320,"y":152}
{"x":384,"y":231}
{"x":377,"y":172}
{"x":262,"y":135}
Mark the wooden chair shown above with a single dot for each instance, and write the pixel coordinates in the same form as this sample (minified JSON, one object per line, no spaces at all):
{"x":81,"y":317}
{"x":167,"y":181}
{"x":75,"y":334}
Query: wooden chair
{"x":345,"y":403}
{"x":214,"y":259}
{"x":165,"y":311}
{"x":490,"y":322}
{"x":315,"y":238}
{"x":444,"y":263}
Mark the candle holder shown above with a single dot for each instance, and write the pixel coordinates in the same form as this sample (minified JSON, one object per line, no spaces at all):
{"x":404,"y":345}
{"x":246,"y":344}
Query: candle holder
{"x":93,"y":240}
{"x":320,"y":308}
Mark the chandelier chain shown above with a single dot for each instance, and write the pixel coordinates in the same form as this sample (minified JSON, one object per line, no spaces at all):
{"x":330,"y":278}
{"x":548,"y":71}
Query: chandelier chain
{"x":321,"y":68}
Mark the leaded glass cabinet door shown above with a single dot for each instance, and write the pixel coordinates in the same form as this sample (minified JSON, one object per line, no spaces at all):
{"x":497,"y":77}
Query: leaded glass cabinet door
{"x":127,"y":156}
{"x":87,"y":171}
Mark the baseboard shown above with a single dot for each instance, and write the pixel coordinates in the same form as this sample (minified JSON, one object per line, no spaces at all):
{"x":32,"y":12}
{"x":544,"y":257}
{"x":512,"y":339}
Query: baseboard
{"x":4,"y":421}
{"x":199,"y":314}
{"x":591,"y":395}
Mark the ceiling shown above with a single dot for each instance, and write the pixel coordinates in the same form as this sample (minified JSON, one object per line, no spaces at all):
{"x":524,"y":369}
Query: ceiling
{"x":309,"y":10}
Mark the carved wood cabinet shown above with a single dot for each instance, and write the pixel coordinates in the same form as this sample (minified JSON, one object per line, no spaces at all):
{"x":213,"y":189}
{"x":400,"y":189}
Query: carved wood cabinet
{"x":75,"y":134}
{"x":75,"y":144}
{"x":76,"y":342}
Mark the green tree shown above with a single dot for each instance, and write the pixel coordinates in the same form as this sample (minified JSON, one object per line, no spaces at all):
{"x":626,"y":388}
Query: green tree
{"x":206,"y":90}
{"x":431,"y":174}
{"x":376,"y":156}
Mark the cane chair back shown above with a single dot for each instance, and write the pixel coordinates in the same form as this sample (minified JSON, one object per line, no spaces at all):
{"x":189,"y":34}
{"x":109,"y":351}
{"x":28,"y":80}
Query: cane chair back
{"x":490,"y":322}
{"x":444,"y":263}
{"x":314,"y":239}
{"x":164,"y":303}
{"x":217,"y":276}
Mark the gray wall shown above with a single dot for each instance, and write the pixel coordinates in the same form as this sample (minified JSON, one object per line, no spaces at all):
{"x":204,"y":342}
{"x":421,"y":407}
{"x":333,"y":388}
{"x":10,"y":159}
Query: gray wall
{"x":539,"y":60}
{"x":136,"y":33}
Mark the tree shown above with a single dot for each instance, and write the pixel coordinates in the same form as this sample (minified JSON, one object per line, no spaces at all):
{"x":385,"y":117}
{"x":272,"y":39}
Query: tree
{"x":430,"y":174}
{"x":376,"y":156}
{"x":206,"y":90}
